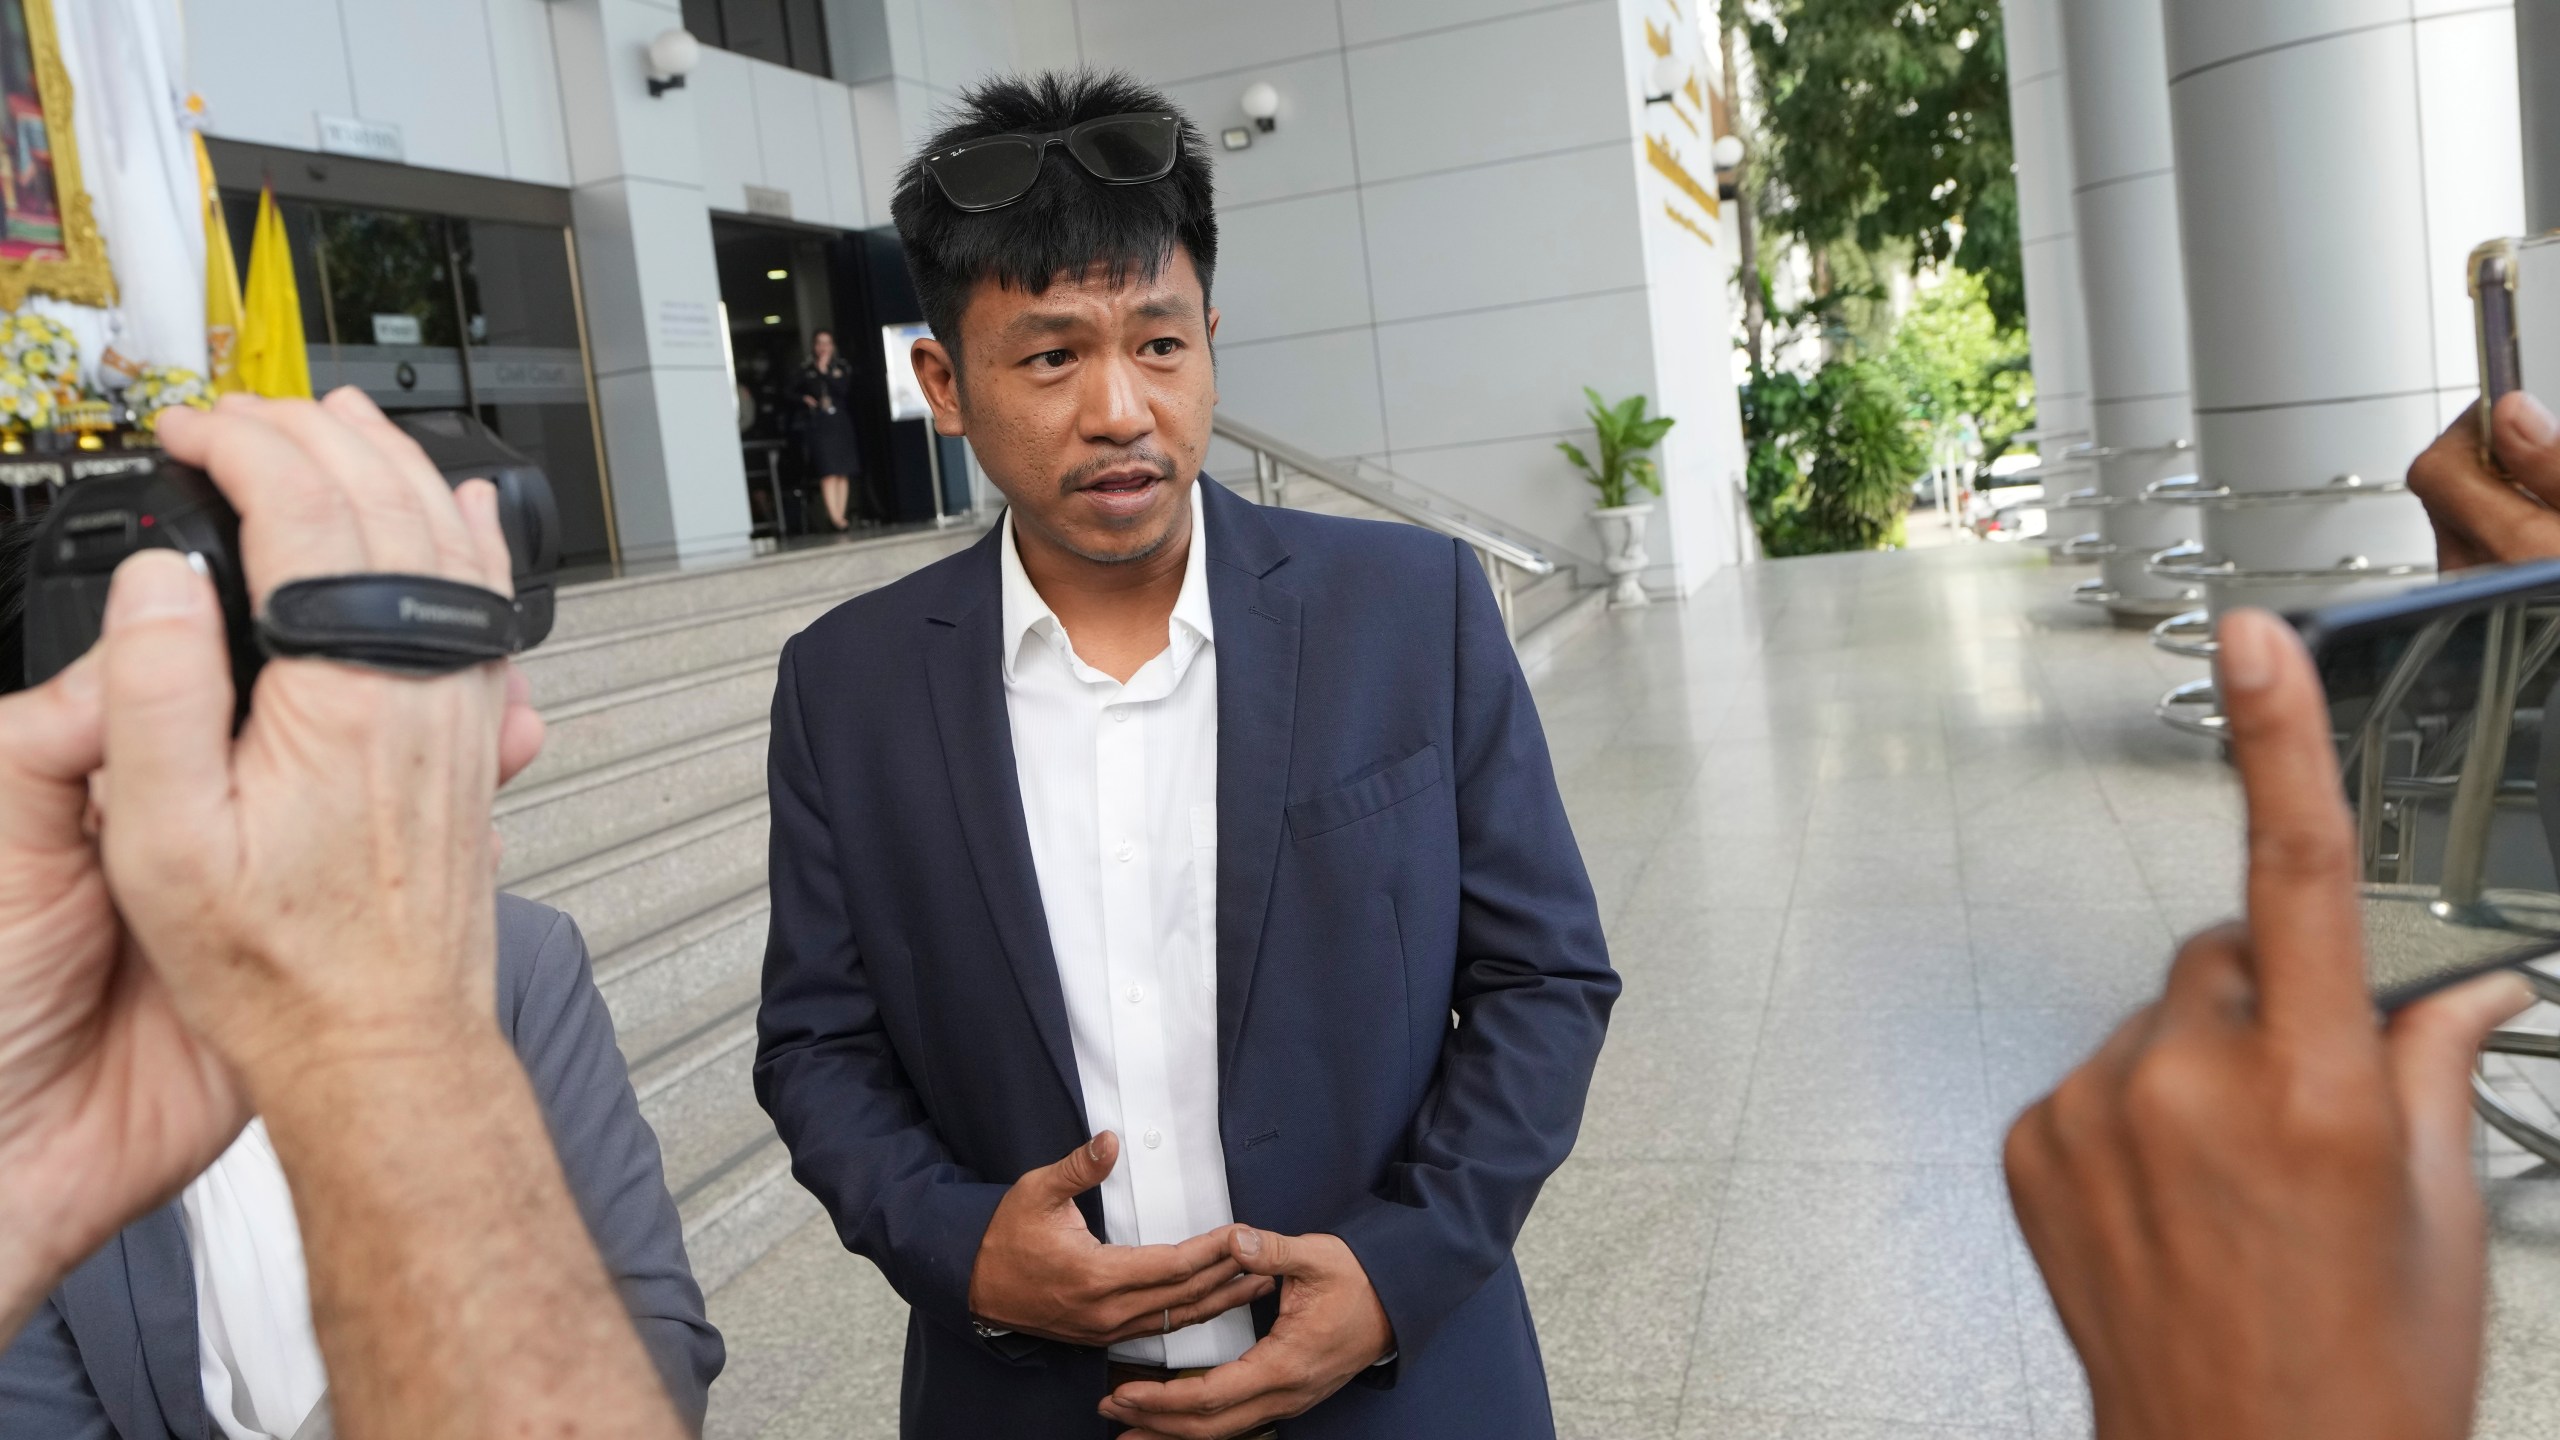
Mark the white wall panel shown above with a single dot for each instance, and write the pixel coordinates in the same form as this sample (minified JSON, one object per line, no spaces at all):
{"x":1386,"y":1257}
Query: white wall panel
{"x":787,"y":126}
{"x":1499,"y":373}
{"x":2205,"y":32}
{"x":1547,"y":81}
{"x":2041,"y":139}
{"x":966,"y":40}
{"x":1316,"y":391}
{"x":1044,"y":35}
{"x":1310,"y":151}
{"x":2315,"y":240}
{"x":1502,"y":234}
{"x":1168,"y":40}
{"x":1291,"y":267}
{"x":2468,"y":106}
{"x":839,"y":151}
{"x":429,"y":70}
{"x":1525,"y":486}
{"x":880,"y":138}
{"x":1367,"y":21}
{"x":528,"y":85}
{"x":721,"y":91}
{"x":265,"y":67}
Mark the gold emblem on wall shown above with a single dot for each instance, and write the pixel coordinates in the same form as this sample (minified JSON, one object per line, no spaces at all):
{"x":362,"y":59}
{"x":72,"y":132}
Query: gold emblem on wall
{"x":49,"y":239}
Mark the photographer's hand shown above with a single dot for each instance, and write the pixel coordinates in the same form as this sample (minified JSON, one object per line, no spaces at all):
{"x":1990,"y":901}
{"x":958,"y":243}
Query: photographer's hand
{"x":108,"y":1103}
{"x":2493,"y":514}
{"x":317,"y":893}
{"x":2255,"y":1205}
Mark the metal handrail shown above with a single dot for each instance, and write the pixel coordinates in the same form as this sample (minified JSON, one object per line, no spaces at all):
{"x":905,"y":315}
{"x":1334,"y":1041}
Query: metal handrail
{"x":1274,"y":459}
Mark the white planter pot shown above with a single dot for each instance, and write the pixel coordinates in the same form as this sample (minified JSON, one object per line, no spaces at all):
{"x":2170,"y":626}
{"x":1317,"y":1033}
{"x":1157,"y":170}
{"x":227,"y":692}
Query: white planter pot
{"x":1622,"y":550}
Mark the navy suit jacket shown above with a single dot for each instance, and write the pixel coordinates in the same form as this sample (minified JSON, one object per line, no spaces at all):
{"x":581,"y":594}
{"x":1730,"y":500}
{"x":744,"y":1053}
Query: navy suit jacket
{"x":112,"y":1355}
{"x":1412,"y":985}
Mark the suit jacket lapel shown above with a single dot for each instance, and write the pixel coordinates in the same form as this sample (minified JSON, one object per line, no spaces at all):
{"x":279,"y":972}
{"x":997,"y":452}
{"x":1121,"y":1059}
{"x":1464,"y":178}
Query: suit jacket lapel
{"x":1258,"y":634}
{"x":162,"y":1274}
{"x":965,"y":668}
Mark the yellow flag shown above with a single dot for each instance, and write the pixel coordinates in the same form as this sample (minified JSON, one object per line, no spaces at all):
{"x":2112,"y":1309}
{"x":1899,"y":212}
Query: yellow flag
{"x":221,"y":285}
{"x":273,"y":362}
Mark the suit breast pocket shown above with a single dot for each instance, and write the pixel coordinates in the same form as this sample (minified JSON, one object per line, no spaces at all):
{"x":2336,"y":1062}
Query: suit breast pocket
{"x":1361,"y":799}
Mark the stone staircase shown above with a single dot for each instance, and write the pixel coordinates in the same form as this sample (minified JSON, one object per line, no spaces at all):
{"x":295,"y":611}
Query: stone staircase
{"x":645,"y":821}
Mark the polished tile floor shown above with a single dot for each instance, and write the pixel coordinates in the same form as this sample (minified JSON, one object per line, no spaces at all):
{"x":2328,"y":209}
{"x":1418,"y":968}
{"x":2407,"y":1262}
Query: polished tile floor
{"x":1884,"y":844}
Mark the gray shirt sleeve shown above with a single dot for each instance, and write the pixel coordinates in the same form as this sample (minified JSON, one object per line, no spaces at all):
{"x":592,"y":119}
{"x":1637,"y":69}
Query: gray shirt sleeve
{"x":562,"y":1032}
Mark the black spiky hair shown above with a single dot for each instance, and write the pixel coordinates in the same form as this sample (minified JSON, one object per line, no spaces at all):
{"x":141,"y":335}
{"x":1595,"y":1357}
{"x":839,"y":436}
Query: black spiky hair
{"x":1070,"y":222}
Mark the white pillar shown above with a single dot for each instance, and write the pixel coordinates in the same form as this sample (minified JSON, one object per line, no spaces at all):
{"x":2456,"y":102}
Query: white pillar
{"x":2336,"y":160}
{"x":2126,"y":206}
{"x":2057,"y":324}
{"x":651,"y":287}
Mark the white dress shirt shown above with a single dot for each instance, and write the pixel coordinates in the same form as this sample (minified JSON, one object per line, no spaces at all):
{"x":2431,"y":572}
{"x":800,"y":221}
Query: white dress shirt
{"x":1120,"y":790}
{"x":255,"y":1352}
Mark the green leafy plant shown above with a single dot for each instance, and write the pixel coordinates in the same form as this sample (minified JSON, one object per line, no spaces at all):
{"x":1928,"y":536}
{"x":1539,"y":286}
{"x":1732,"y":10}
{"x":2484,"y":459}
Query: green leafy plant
{"x":1832,"y":458}
{"x":1625,"y":433}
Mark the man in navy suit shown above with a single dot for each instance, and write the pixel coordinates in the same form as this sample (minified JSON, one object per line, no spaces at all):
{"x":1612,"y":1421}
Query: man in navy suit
{"x":1214,"y":849}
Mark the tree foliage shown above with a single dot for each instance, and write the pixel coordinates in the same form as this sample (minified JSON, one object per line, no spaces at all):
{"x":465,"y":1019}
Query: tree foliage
{"x":1832,"y":458}
{"x":1887,"y":121}
{"x":1953,"y":359}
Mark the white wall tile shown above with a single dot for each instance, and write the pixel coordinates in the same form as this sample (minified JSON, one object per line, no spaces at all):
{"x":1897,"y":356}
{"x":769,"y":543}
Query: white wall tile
{"x":1501,"y":234}
{"x":905,"y":22}
{"x":2301,"y":285}
{"x":1524,"y":485}
{"x":1541,"y":82}
{"x":839,"y":150}
{"x":2203,"y":32}
{"x":1367,"y":21}
{"x":1291,"y":267}
{"x":966,"y":40}
{"x":428,"y":70}
{"x":1319,"y":392}
{"x":528,"y":85}
{"x":722,"y":93}
{"x":265,"y":67}
{"x":880,"y":136}
{"x":2473,"y":138}
{"x":2041,"y":142}
{"x":2033,"y":32}
{"x":658,"y":137}
{"x":1044,"y":35}
{"x":1311,"y":149}
{"x":1495,"y":374}
{"x":1169,"y":40}
{"x":787,"y":125}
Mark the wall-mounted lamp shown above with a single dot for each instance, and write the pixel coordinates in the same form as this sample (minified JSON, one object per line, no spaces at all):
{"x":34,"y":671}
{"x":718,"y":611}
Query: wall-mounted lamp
{"x":1662,"y":81}
{"x":1728,"y":153}
{"x":1262,"y":106}
{"x":672,"y":56}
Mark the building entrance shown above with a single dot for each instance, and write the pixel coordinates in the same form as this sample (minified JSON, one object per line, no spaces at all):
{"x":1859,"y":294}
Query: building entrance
{"x":434,"y":292}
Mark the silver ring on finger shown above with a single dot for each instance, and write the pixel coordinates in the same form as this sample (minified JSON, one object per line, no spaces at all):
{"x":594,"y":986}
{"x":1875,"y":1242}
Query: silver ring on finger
{"x":1168,"y":1320}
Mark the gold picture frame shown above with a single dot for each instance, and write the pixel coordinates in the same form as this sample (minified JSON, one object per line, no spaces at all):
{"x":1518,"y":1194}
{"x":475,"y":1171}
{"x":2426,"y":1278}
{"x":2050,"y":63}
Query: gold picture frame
{"x":78,"y":270}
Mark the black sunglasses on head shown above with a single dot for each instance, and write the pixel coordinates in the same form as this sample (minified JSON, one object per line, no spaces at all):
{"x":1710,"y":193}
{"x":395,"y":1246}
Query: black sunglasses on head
{"x":993,"y":172}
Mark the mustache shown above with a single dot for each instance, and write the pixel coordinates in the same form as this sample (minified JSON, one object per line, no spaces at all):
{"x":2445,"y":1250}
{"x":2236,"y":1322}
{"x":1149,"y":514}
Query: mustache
{"x":1146,"y":455}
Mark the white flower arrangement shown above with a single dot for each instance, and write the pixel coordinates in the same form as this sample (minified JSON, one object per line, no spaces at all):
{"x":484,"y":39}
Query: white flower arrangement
{"x":42,"y":348}
{"x":160,"y":387}
{"x":26,"y":403}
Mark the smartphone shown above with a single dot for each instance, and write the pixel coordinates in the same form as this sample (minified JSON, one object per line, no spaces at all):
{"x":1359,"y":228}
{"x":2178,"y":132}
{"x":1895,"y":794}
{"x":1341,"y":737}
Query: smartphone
{"x":2438,"y":698}
{"x":2515,"y":306}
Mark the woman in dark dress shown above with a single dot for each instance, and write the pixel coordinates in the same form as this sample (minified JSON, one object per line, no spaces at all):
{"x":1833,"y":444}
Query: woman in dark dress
{"x":826,"y":432}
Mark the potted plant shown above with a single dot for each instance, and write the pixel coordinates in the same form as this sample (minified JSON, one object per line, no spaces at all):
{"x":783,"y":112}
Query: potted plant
{"x":1625,"y":433}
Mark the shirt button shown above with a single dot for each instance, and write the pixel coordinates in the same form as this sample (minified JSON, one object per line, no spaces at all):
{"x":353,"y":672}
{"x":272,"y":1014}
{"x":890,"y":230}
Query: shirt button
{"x":1120,"y":715}
{"x":1152,"y":1138}
{"x":1137,"y":993}
{"x":1126,"y":852}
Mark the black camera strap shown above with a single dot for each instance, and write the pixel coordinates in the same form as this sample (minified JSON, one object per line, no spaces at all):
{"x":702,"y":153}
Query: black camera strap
{"x":411,"y":624}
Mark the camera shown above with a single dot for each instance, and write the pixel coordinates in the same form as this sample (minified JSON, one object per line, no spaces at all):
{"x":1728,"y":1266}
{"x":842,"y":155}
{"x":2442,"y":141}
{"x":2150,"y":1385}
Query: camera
{"x":113,"y":504}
